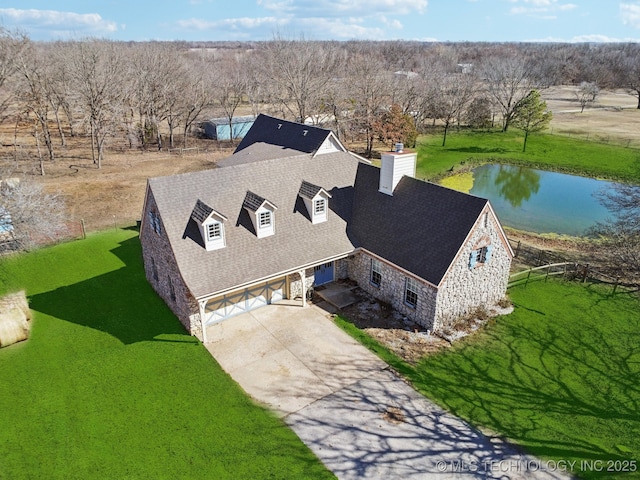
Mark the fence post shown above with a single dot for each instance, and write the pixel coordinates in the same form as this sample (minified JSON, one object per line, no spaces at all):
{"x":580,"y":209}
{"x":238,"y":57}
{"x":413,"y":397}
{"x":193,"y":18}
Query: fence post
{"x":527,"y":281}
{"x":84,"y":230}
{"x":547,"y":275}
{"x":615,"y":286}
{"x":586,"y":273}
{"x":517,"y":249}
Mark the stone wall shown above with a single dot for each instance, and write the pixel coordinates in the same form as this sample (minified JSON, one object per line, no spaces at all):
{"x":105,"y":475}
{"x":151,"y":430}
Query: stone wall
{"x":464,"y":289}
{"x":162,"y":272}
{"x":392,"y":289}
{"x":295,"y":283}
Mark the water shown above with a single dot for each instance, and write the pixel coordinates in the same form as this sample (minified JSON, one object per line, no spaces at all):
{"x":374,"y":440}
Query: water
{"x":539,"y":201}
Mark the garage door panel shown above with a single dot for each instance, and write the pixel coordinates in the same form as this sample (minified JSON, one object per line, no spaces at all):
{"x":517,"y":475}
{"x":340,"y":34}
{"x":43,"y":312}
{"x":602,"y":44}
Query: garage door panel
{"x":248,"y":299}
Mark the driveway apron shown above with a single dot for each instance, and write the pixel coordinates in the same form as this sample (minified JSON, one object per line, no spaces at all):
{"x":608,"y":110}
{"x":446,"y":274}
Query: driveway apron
{"x":357,"y":416}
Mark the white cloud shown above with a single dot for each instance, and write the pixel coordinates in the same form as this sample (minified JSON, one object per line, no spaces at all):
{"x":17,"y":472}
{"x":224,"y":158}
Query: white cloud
{"x":63,"y":23}
{"x":591,"y":38}
{"x":630,"y":13}
{"x":540,"y":8}
{"x":232,"y":23}
{"x":340,"y":8}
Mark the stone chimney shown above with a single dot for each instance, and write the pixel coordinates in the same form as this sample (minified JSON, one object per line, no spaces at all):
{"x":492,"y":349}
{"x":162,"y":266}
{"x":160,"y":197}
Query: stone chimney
{"x":395,"y":165}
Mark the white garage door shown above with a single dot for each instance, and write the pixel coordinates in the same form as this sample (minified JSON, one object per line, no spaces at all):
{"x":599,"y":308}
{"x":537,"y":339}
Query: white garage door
{"x":245,"y":300}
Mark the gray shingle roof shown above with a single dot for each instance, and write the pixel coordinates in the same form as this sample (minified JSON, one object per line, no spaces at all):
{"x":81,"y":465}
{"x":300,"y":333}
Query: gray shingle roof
{"x":246,"y":258}
{"x":420,"y":228}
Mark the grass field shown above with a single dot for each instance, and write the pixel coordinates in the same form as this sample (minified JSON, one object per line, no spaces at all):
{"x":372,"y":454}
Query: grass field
{"x":559,"y":376}
{"x":110,"y":385}
{"x":544,"y":151}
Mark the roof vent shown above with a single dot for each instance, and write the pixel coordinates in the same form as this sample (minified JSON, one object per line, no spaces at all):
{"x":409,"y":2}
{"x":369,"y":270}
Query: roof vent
{"x":399,"y":148}
{"x":304,"y":133}
{"x":279,"y":126}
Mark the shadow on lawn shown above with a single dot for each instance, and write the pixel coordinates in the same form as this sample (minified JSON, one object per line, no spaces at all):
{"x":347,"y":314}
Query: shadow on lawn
{"x":120,"y":303}
{"x":569,"y":393}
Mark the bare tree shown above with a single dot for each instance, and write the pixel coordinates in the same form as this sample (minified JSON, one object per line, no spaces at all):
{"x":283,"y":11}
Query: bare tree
{"x":454,"y":94}
{"x":34,"y":94}
{"x":619,"y":237}
{"x":586,"y":94}
{"x":368,"y":87}
{"x":508,"y":80}
{"x":28,"y":214}
{"x":300,"y":70}
{"x":97,"y":70}
{"x":230,"y":87}
{"x":12,"y":43}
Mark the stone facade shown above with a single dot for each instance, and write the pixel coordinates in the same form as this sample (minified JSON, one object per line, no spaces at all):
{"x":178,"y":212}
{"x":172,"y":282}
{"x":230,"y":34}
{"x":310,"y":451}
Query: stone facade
{"x":162,"y":271}
{"x":392,"y":288}
{"x":340,"y":272}
{"x":464,"y":289}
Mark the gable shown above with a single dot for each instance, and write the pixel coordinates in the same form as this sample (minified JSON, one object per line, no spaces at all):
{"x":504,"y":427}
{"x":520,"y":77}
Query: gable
{"x":284,"y":134}
{"x":421,"y":228}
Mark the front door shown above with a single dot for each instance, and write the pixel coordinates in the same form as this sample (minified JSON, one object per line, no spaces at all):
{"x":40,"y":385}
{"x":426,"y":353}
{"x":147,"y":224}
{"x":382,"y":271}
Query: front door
{"x":323,"y":274}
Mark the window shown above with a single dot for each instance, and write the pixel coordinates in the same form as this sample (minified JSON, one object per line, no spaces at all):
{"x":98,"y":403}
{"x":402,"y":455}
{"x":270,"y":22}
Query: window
{"x":319,"y":206}
{"x":154,"y":220}
{"x":264,"y":219}
{"x":214,"y":231}
{"x":376,"y":272}
{"x":411,"y":293}
{"x":480,"y":256}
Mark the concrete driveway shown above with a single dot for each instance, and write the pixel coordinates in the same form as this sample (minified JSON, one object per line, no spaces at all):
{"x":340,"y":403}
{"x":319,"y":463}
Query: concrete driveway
{"x":357,"y":416}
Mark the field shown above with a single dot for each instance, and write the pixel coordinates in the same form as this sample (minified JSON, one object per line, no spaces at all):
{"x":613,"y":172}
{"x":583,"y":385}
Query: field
{"x":558,"y":376}
{"x":111,"y":386}
{"x":115,"y":193}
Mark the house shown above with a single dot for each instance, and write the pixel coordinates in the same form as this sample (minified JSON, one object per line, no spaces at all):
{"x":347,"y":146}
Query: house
{"x":292,"y":209}
{"x":222,"y":129}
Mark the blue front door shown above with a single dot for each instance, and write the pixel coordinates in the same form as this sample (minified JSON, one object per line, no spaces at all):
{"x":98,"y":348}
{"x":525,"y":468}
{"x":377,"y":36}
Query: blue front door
{"x":323,"y":274}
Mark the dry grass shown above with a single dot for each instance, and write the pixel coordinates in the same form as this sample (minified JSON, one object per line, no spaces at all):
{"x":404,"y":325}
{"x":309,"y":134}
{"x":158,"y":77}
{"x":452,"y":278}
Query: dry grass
{"x":114,"y":194}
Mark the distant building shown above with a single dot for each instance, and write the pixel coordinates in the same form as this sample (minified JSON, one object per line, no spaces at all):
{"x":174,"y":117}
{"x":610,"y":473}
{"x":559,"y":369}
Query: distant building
{"x":219,"y":128}
{"x":464,"y":67}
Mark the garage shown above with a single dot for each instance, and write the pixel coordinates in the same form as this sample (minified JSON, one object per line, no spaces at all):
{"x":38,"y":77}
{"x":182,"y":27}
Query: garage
{"x":241,"y":301}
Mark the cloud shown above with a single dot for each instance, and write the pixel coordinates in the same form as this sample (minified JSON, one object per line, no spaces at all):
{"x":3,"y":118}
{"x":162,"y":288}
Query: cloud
{"x":630,"y":13}
{"x":63,"y":23}
{"x":341,"y":8}
{"x":540,"y":8}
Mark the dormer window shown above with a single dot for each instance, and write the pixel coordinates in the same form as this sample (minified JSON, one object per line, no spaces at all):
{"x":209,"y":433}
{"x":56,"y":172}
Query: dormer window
{"x":214,"y":231}
{"x":211,"y":225}
{"x":319,"y":206}
{"x":264,"y":219}
{"x":316,"y":199}
{"x":261,"y":212}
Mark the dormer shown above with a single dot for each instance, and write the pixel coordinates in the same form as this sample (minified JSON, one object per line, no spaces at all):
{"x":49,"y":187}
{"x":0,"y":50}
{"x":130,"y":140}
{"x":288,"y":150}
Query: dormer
{"x":211,"y":225}
{"x":395,"y":165}
{"x":262,"y":213}
{"x":316,"y":199}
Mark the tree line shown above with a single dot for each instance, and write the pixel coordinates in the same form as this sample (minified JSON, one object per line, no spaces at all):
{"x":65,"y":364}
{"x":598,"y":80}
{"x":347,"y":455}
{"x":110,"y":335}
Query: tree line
{"x":154,"y":94}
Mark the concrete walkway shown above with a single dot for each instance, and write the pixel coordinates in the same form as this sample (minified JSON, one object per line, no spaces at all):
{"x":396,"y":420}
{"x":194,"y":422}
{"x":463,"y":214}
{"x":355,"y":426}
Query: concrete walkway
{"x":358,"y":417}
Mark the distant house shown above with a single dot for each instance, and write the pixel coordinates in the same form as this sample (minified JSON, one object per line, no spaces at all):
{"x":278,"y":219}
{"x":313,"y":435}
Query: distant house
{"x":292,"y":209}
{"x":219,"y":128}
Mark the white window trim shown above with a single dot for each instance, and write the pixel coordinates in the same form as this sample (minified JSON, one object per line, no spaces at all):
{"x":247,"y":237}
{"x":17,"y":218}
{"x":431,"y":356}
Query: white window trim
{"x":264,"y":219}
{"x":376,"y":268}
{"x":410,"y":286}
{"x":214,"y":231}
{"x":319,"y":206}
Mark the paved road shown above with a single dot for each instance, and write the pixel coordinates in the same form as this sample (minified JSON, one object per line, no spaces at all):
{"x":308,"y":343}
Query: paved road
{"x":357,"y":416}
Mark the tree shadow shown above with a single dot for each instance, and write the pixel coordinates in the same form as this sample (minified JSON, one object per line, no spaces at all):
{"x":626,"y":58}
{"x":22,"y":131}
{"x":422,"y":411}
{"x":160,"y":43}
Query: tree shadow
{"x":120,"y":303}
{"x":567,"y":393}
{"x":479,"y":150}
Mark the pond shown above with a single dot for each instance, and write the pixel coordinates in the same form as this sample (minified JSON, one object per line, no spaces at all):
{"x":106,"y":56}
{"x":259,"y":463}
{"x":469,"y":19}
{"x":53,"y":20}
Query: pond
{"x":540,"y":201}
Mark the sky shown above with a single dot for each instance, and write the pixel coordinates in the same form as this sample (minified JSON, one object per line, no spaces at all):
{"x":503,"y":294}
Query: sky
{"x":246,"y":20}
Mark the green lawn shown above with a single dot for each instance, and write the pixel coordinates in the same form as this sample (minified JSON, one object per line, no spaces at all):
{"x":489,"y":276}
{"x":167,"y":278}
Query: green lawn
{"x":559,"y":376}
{"x":544,"y":151}
{"x":110,"y":386}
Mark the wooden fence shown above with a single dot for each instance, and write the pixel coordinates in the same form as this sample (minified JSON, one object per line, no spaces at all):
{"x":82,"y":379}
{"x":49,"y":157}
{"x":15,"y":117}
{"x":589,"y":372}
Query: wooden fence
{"x":568,"y":270}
